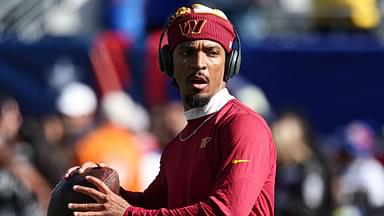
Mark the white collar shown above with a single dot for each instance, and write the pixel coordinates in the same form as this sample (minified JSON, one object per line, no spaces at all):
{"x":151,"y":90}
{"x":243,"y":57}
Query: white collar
{"x":214,"y":105}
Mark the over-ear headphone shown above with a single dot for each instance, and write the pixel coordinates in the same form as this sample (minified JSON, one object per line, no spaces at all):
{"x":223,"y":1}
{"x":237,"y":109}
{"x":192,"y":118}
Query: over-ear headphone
{"x":232,"y":60}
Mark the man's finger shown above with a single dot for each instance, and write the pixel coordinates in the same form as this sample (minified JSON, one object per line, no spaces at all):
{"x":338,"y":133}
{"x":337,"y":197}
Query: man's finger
{"x":95,"y":194}
{"x":99,"y":184}
{"x":86,"y":165}
{"x":86,"y":206}
{"x":89,"y":213}
{"x":71,"y":170}
{"x":102,"y":164}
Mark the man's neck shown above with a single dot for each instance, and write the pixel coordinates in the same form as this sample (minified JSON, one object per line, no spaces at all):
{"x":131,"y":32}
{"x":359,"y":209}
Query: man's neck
{"x":215,"y":104}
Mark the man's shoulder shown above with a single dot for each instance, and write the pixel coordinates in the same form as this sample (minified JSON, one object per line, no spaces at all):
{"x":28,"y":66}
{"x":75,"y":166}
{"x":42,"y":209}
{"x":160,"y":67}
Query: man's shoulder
{"x":235,"y":109}
{"x":237,"y":121}
{"x":235,"y":113}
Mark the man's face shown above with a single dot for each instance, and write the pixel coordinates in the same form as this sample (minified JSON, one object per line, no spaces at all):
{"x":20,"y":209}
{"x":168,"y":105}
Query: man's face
{"x":199,"y":71}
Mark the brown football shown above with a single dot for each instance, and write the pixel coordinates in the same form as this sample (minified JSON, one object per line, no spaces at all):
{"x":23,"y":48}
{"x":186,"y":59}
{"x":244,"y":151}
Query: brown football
{"x":63,"y":192}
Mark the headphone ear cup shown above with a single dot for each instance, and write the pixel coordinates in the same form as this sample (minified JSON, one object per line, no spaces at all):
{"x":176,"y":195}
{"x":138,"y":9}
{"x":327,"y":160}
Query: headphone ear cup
{"x":237,"y":62}
{"x":232,"y":66}
{"x":165,"y":60}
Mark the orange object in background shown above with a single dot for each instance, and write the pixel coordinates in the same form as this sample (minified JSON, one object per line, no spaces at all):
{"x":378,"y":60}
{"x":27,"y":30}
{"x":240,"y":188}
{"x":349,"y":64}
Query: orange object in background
{"x":116,"y":147}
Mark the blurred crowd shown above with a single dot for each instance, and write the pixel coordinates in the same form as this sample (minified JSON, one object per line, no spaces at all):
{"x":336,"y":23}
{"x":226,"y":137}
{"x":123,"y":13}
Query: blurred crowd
{"x":113,"y":129}
{"x":254,"y":19}
{"x":337,"y":174}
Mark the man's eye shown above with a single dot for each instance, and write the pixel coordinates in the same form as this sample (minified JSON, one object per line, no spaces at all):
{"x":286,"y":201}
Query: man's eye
{"x":184,"y":53}
{"x":213,"y":53}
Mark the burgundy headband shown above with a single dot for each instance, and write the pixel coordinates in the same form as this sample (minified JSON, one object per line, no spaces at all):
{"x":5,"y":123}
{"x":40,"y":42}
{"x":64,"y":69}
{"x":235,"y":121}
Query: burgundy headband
{"x":200,"y":22}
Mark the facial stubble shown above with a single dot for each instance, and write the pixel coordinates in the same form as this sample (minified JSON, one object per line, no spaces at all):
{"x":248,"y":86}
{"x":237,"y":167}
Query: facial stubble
{"x":195,"y":101}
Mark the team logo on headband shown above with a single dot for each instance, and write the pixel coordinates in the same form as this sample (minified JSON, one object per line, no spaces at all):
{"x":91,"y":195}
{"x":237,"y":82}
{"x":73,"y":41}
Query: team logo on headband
{"x":192,"y":27}
{"x":181,"y":11}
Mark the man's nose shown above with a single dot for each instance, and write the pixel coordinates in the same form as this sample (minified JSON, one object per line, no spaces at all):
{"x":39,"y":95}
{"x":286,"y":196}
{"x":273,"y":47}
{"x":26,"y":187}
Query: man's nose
{"x":198,"y":61}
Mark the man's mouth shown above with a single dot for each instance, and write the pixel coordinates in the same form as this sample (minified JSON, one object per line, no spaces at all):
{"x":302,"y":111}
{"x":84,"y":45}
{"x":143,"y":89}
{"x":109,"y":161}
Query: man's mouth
{"x":198,"y":82}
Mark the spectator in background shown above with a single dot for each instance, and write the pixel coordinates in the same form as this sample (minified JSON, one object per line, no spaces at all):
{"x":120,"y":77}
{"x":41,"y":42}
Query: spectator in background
{"x":77,"y":105}
{"x":359,"y":177}
{"x":47,"y":137}
{"x":23,"y":191}
{"x":54,"y":135}
{"x":302,"y":181}
{"x":118,"y":140}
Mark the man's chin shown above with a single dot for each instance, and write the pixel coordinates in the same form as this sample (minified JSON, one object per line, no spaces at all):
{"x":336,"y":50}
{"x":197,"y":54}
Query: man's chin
{"x":197,"y":100}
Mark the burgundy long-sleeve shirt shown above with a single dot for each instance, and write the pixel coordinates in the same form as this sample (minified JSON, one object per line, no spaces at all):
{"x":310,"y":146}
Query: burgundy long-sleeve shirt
{"x":227,"y":168}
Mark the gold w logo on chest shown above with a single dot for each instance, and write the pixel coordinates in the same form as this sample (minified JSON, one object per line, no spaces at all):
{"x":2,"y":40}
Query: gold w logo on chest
{"x":192,"y":27}
{"x":205,"y":141}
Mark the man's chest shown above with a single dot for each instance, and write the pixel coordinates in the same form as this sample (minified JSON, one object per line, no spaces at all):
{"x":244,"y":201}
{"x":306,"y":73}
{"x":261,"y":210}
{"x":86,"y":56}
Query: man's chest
{"x":198,"y":153}
{"x":192,"y":165}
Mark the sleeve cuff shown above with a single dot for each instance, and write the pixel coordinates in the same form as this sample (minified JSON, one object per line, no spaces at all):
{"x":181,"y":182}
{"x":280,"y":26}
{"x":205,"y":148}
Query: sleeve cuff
{"x":132,"y":209}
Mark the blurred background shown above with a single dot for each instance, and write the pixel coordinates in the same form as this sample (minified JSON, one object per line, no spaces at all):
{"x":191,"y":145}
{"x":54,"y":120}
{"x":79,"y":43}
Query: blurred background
{"x":79,"y":81}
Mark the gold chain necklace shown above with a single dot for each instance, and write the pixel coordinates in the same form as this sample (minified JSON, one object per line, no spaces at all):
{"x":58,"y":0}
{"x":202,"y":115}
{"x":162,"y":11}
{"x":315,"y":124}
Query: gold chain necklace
{"x":194,"y":131}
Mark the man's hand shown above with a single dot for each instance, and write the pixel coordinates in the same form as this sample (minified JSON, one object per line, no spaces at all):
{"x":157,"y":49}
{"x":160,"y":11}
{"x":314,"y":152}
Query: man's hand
{"x":108,"y":203}
{"x":82,"y":168}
